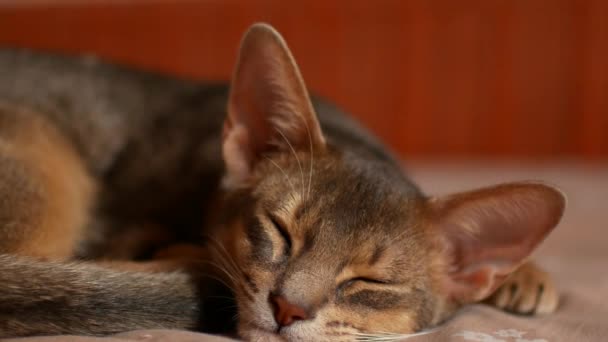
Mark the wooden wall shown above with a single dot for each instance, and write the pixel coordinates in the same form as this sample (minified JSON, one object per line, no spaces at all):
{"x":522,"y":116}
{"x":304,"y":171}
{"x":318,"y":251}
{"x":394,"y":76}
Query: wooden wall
{"x":435,"y":78}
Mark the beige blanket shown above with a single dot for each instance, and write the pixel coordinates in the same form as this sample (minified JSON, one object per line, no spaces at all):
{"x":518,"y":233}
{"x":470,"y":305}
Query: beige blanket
{"x":576,"y":253}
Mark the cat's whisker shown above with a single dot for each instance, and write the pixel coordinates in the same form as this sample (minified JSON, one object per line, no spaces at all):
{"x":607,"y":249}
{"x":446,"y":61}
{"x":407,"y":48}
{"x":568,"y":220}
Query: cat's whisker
{"x":234,"y":275}
{"x":226,"y":307}
{"x":311,"y":157}
{"x":293,"y":189}
{"x":227,"y":266}
{"x":387,"y":336}
{"x":220,"y":248}
{"x":247,"y":321}
{"x":218,"y":279}
{"x":223,"y":269}
{"x":230,"y":274}
{"x":294,"y":154}
{"x":312,"y":161}
{"x":223,"y":297}
{"x":230,"y":267}
{"x":376,"y":338}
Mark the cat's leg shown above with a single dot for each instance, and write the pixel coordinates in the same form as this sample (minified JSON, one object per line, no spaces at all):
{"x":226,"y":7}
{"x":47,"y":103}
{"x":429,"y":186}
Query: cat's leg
{"x":529,"y":290}
{"x":45,"y":190}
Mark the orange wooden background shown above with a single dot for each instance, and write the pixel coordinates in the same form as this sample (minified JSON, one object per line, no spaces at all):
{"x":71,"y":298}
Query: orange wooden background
{"x":466,"y":78}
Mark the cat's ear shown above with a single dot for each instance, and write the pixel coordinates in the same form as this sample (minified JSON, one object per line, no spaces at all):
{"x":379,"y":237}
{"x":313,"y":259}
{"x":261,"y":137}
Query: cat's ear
{"x":269,"y":108}
{"x":486,"y":234}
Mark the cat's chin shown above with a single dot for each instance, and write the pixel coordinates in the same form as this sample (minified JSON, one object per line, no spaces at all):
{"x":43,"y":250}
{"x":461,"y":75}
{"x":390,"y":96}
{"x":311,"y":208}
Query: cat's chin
{"x":258,"y":334}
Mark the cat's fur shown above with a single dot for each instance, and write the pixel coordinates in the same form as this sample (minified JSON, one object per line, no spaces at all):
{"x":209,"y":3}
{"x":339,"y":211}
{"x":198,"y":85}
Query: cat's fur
{"x":305,"y":216}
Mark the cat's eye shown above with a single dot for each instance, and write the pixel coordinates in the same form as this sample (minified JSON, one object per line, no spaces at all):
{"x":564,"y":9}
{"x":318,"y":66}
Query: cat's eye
{"x":278,"y":224}
{"x":366,"y":280}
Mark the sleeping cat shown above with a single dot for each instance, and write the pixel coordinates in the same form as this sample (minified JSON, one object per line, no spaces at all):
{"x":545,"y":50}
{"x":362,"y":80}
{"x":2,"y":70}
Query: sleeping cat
{"x":307,"y":219}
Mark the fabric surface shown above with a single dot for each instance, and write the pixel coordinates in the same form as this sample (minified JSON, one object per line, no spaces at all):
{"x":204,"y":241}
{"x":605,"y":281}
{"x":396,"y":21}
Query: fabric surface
{"x":576,"y":254}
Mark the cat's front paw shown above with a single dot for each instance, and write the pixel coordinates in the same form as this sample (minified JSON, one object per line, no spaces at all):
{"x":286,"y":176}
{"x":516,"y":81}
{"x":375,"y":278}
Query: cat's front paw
{"x":529,"y":290}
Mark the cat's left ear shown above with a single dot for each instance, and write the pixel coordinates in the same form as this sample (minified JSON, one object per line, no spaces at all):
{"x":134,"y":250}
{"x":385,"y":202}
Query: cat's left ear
{"x":269,"y":108}
{"x":486,"y":234}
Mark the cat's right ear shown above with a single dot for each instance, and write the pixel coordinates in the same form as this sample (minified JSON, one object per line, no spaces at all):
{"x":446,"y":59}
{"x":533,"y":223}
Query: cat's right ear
{"x":269,"y":108}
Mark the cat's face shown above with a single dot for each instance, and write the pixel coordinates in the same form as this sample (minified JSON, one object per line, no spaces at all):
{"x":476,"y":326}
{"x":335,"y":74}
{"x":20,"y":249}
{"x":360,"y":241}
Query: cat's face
{"x":335,"y":246}
{"x":322,"y":244}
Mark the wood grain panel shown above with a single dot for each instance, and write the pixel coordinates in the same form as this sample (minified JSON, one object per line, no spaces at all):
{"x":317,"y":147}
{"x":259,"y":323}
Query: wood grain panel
{"x":468,"y":78}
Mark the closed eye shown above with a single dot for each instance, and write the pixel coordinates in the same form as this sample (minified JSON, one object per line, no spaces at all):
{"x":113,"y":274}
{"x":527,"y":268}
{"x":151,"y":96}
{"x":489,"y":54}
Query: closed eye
{"x":283,"y":232}
{"x":363,"y":280}
{"x":368,"y":280}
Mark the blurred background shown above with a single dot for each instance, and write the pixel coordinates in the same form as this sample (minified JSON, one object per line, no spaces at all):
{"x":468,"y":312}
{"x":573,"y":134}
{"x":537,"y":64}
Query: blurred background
{"x":475,"y":79}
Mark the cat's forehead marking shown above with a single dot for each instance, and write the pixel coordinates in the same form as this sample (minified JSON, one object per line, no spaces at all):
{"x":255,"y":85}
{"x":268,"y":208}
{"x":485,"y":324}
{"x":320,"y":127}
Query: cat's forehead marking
{"x":376,"y":255}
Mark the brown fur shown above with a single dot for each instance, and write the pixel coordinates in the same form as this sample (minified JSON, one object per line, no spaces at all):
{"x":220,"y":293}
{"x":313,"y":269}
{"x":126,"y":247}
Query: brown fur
{"x":306,"y":218}
{"x":48,"y":218}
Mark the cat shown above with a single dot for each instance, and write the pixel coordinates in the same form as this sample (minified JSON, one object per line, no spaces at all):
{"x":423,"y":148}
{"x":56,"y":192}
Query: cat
{"x":307,"y":218}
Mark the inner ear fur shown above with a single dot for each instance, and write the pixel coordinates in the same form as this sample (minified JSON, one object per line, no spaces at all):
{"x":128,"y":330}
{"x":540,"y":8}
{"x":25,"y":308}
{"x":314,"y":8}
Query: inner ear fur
{"x":269,"y":108}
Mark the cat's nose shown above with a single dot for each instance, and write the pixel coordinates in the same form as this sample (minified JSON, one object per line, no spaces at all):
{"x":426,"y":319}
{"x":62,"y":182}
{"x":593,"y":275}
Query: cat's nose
{"x":285,"y":313}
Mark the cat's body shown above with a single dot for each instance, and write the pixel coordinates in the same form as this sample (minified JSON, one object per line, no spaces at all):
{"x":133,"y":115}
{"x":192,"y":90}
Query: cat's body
{"x":302,"y":216}
{"x":152,"y":143}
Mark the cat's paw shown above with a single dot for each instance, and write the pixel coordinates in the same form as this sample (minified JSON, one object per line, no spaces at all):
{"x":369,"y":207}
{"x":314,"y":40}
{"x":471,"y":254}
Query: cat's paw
{"x":529,"y":290}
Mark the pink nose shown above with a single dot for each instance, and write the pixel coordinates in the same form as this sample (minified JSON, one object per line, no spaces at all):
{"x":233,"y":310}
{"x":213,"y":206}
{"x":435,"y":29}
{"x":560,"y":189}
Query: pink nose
{"x":285,"y":313}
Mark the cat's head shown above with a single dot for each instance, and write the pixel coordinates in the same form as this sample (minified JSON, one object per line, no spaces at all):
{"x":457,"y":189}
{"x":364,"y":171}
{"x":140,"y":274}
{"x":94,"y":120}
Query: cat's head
{"x":323,"y":245}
